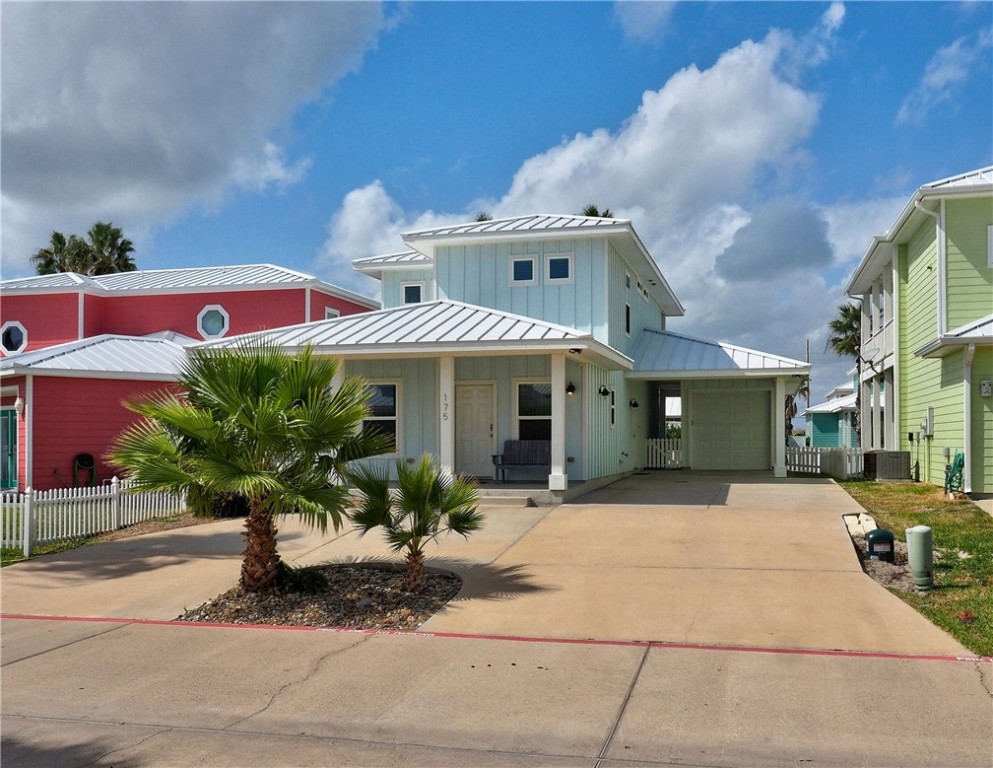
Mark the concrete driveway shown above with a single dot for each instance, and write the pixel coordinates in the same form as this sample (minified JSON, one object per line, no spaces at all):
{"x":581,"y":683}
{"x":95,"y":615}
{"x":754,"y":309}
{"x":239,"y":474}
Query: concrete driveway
{"x":748,"y":583}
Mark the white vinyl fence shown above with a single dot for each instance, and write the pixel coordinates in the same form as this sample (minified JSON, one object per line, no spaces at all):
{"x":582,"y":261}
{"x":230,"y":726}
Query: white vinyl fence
{"x":839,"y":463}
{"x":41,"y":517}
{"x":664,"y":453}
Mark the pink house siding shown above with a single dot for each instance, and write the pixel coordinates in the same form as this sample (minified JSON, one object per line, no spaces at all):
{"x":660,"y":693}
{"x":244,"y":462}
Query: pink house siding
{"x":93,"y":315}
{"x":48,"y":319}
{"x":320,"y":302}
{"x":73,"y":416}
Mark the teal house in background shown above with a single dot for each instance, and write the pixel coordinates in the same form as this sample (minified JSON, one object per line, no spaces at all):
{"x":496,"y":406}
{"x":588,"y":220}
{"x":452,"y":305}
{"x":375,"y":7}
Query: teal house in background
{"x":550,"y":329}
{"x":926,"y":288}
{"x":831,"y":424}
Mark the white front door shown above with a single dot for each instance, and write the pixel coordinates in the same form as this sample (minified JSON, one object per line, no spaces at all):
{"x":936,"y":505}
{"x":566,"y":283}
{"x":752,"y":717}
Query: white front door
{"x":474,"y":417}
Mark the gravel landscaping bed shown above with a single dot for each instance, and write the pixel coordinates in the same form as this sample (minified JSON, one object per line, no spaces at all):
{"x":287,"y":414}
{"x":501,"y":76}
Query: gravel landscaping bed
{"x":356,"y":597}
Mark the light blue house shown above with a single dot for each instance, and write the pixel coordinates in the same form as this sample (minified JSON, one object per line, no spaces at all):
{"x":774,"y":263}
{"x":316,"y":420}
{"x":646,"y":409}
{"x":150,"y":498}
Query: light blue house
{"x":831,"y":424}
{"x":549,"y":328}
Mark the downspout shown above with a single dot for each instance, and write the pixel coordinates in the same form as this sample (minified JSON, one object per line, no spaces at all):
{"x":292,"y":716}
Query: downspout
{"x":80,"y":323}
{"x":28,"y":431}
{"x":939,"y":239}
{"x":306,"y":304}
{"x":895,"y":417}
{"x":970,"y":353}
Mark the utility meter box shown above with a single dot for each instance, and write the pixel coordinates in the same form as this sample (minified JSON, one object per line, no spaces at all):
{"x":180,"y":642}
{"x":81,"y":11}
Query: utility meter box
{"x":879,"y":545}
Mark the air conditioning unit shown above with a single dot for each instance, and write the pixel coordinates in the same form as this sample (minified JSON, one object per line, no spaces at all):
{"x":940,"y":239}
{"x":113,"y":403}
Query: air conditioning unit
{"x":887,"y":465}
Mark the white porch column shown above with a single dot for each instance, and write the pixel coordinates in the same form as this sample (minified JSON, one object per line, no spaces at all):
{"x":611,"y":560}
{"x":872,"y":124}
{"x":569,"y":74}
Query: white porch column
{"x":865,"y":415}
{"x":779,"y":424}
{"x":558,"y":480}
{"x":890,"y":436}
{"x":446,"y":414}
{"x":877,"y":421}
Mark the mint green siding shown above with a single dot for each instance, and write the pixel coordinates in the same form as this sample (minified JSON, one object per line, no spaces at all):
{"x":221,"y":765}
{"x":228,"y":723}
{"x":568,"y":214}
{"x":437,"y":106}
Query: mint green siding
{"x":970,"y":278}
{"x":625,"y":290}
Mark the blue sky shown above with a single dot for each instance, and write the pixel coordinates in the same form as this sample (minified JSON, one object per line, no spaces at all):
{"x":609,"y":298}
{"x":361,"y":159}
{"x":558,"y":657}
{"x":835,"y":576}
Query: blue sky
{"x":757,"y":147}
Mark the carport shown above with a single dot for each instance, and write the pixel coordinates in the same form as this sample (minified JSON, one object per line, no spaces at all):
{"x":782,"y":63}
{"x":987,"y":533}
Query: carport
{"x":733,"y":400}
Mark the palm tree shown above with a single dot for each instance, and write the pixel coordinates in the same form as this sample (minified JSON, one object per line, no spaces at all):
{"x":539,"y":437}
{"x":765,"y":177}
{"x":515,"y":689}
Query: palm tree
{"x":846,"y":341}
{"x":593,"y":211}
{"x":260,"y":423}
{"x":483,"y":216}
{"x":63,"y":254}
{"x":111,"y":250}
{"x":427,"y":504}
{"x":791,"y":407}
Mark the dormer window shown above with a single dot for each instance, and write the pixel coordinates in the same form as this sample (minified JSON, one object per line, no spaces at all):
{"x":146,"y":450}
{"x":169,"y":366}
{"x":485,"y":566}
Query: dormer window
{"x":330,"y":313}
{"x":522,"y":271}
{"x":213,"y":321}
{"x":413,"y":293}
{"x":13,"y":337}
{"x":558,"y":268}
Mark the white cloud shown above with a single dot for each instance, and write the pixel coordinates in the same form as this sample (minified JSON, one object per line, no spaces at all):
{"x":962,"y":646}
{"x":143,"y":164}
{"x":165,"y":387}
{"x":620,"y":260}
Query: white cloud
{"x":945,"y":71}
{"x":643,"y":20}
{"x":133,"y":112}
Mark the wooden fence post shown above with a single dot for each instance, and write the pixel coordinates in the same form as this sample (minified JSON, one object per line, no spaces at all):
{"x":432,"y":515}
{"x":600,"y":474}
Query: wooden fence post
{"x":27,"y":522}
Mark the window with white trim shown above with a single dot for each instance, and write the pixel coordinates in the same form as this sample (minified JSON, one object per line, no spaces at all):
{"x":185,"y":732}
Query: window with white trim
{"x":413,"y":293}
{"x":383,"y":410}
{"x":534,"y":410}
{"x":213,"y":321}
{"x":558,"y":268}
{"x":331,"y":313}
{"x":13,"y":337}
{"x":522,"y":271}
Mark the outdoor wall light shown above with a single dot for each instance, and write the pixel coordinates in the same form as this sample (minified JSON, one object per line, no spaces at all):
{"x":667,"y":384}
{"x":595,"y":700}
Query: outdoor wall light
{"x":633,"y":403}
{"x":575,"y":351}
{"x":571,"y":389}
{"x":19,"y":406}
{"x":604,"y":392}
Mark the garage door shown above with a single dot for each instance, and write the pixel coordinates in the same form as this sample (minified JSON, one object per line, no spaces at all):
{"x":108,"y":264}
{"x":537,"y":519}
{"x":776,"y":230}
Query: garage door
{"x":730,"y":429}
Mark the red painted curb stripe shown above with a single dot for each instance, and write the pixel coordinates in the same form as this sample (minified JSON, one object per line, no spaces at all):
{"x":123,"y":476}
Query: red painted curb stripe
{"x":660,"y":644}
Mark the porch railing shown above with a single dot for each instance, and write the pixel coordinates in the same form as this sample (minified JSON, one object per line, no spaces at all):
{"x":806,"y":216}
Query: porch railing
{"x":664,"y":453}
{"x":42,"y":517}
{"x":839,"y":463}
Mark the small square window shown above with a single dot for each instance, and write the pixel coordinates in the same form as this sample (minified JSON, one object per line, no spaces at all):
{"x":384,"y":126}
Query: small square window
{"x":522,"y":271}
{"x":412,"y":293}
{"x":558,"y":268}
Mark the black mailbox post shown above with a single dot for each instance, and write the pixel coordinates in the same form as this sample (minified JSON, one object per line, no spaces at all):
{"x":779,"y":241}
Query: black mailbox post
{"x":879,"y":545}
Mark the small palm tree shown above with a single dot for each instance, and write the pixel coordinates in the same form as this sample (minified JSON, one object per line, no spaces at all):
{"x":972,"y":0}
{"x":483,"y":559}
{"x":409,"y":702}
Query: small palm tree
{"x":593,"y":211}
{"x":426,"y":504}
{"x":63,"y":254}
{"x":846,"y":341}
{"x":111,"y":250}
{"x":258,"y":423}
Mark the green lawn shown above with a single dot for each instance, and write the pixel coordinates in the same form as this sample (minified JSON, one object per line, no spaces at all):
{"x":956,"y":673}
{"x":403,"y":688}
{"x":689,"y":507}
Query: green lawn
{"x":962,"y":601}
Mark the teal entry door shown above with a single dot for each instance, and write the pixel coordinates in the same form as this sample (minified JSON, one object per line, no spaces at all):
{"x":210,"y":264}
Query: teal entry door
{"x":8,"y":448}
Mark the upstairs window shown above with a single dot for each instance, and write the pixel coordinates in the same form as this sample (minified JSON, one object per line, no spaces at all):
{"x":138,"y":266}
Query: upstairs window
{"x":13,"y":337}
{"x":412,"y":293}
{"x":558,"y":268}
{"x":331,"y":313}
{"x":522,"y":272}
{"x":213,"y":321}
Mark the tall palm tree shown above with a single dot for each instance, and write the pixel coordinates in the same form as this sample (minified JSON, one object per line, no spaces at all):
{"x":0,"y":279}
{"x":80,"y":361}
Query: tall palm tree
{"x":260,"y":423}
{"x":63,"y":254}
{"x":791,"y":407}
{"x":111,"y":250}
{"x":846,"y":341}
{"x":592,"y":210}
{"x":427,"y":503}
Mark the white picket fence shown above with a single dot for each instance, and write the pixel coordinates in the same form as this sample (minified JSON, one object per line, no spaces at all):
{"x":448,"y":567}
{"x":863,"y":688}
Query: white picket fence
{"x":664,"y":453}
{"x":41,"y":517}
{"x":839,"y":463}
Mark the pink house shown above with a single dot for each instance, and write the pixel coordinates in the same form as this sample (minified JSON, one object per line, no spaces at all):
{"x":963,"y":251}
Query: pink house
{"x":74,"y":348}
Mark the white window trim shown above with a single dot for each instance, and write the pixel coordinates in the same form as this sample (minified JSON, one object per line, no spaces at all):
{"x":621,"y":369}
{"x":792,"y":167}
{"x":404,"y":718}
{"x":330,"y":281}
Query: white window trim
{"x":330,"y":313}
{"x":534,"y":271}
{"x":203,"y":314}
{"x":396,"y":417}
{"x":24,"y":334}
{"x":403,"y":292}
{"x":515,"y":412}
{"x":560,"y":280}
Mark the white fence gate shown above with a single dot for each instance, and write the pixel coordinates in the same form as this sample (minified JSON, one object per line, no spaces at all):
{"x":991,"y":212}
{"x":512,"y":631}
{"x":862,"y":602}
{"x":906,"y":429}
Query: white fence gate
{"x":664,"y":453}
{"x":839,"y":463}
{"x":42,"y":517}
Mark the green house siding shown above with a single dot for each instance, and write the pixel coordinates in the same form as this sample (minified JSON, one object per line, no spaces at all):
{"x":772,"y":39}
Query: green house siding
{"x":970,"y":278}
{"x":982,"y":423}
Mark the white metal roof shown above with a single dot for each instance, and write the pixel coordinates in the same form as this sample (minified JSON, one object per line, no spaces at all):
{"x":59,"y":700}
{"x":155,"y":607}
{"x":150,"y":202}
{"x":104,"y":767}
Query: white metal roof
{"x":533,"y":223}
{"x":969,"y":184}
{"x":837,"y":405}
{"x":189,"y":279}
{"x":376,"y":265}
{"x":105,"y":356}
{"x":979,"y":332}
{"x":663,"y":354}
{"x":437,"y":327}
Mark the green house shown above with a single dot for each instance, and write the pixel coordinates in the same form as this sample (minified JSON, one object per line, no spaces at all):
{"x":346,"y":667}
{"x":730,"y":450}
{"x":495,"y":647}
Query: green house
{"x":926,"y":288}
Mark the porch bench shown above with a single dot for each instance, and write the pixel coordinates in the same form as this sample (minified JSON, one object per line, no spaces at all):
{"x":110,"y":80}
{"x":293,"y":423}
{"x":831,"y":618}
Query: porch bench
{"x":522,"y":454}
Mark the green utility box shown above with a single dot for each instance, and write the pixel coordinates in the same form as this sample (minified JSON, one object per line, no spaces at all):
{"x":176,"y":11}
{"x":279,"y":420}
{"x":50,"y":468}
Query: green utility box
{"x":879,"y":545}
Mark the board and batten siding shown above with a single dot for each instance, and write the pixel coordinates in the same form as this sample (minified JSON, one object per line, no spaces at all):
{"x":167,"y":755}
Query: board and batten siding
{"x":645,"y":312}
{"x":982,"y":423}
{"x":481,"y":275}
{"x":609,"y":448}
{"x":394,"y":279}
{"x":969,"y":275}
{"x":926,"y":382}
